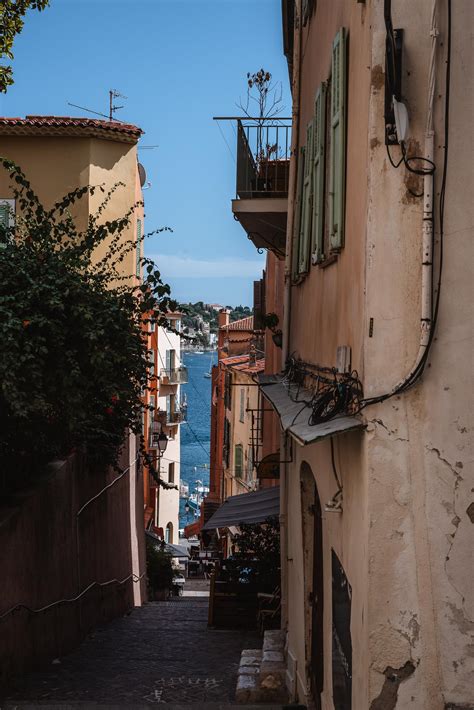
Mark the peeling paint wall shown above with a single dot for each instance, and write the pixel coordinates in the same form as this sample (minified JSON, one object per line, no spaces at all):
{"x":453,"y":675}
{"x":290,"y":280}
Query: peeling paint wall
{"x":408,"y":505}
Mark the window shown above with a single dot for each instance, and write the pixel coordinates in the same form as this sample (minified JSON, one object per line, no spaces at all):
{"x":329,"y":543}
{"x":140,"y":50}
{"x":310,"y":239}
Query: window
{"x":151,"y":410}
{"x":226,"y":448}
{"x":320,"y":203}
{"x":238,"y":461}
{"x":169,"y":533}
{"x":337,"y":148}
{"x":170,"y":360}
{"x":152,"y":326}
{"x":171,"y":472}
{"x":7,"y":214}
{"x":139,"y":247}
{"x":242,"y":404}
{"x":151,"y":363}
{"x":228,"y":391}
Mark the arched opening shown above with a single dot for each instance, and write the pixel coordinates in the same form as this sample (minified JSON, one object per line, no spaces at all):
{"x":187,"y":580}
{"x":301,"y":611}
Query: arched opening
{"x":314,"y":584}
{"x":169,"y":533}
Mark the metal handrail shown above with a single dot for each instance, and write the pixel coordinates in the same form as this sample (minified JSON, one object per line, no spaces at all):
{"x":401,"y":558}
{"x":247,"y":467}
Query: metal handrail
{"x":134,"y":577}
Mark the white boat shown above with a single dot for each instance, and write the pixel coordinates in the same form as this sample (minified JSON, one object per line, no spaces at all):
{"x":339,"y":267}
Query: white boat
{"x":208,"y":375}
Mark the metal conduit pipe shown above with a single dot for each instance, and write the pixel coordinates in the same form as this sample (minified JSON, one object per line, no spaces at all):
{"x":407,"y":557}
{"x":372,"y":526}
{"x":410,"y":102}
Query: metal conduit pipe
{"x":292,"y":182}
{"x":426,"y":318}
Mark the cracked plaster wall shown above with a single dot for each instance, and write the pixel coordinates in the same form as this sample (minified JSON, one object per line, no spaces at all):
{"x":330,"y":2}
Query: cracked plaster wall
{"x":420,"y":444}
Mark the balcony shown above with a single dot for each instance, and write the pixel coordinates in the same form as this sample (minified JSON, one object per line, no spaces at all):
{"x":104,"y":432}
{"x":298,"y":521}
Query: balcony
{"x":170,"y":418}
{"x":174,"y":376}
{"x":263,"y":163}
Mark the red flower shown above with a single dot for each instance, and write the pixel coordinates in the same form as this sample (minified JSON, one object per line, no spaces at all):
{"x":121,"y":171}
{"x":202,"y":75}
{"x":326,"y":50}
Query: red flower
{"x":114,"y":398}
{"x":109,"y":410}
{"x":26,"y":323}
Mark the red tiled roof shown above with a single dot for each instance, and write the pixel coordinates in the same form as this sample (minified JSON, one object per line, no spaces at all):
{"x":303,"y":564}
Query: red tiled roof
{"x":234,"y":359}
{"x":241,"y":363}
{"x":242,"y":324}
{"x":69,"y":126}
{"x":259,"y":366}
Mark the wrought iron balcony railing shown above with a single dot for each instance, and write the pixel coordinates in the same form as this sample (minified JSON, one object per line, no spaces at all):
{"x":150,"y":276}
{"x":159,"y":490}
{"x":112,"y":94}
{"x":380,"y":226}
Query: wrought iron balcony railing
{"x":174,"y":376}
{"x":263,"y":159}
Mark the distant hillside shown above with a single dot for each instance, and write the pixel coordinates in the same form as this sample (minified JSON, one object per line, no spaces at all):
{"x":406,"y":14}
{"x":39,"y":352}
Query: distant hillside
{"x":200,"y":319}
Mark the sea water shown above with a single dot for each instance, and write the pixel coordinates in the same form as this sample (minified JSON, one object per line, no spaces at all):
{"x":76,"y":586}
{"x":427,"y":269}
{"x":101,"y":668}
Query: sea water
{"x":196,"y":433}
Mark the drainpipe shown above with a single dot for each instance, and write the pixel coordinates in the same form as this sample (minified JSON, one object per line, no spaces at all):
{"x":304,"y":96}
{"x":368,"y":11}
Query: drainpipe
{"x":284,"y":442}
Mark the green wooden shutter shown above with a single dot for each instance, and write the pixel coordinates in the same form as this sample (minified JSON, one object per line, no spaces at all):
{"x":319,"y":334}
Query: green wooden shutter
{"x":238,"y":461}
{"x":306,"y":202}
{"x":319,"y":153}
{"x":139,"y":247}
{"x":298,"y":201}
{"x":338,"y":141}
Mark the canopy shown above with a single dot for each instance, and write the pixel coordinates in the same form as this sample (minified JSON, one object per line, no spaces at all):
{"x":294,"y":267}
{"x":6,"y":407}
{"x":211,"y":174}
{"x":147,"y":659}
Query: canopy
{"x":173,"y":550}
{"x":289,"y":401}
{"x":246,"y":508}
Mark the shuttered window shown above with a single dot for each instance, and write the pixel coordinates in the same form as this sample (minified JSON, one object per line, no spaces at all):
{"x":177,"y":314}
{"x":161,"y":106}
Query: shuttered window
{"x":139,"y":247}
{"x":338,"y":141}
{"x":238,"y":461}
{"x":298,"y":201}
{"x":306,"y":205}
{"x":7,"y":211}
{"x":319,"y":157}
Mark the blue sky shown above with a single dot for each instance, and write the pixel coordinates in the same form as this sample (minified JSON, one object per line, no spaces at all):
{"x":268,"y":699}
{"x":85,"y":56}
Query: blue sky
{"x":179,"y":62}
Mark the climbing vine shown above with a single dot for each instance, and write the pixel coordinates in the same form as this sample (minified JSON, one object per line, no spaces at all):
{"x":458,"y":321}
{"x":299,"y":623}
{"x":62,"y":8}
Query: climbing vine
{"x":73,"y":354}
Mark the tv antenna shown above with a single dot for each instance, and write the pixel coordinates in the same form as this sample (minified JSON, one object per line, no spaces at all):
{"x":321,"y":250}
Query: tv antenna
{"x":113,"y":94}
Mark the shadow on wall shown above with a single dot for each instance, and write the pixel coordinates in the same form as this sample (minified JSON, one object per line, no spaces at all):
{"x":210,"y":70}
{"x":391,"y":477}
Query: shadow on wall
{"x":49,"y":553}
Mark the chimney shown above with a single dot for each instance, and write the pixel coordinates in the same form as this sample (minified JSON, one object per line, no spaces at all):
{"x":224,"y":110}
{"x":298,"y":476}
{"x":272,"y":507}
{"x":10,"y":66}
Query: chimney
{"x":223,"y":317}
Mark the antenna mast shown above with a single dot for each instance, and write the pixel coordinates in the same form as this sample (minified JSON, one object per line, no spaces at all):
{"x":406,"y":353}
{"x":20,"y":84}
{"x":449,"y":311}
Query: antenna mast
{"x":114,"y":94}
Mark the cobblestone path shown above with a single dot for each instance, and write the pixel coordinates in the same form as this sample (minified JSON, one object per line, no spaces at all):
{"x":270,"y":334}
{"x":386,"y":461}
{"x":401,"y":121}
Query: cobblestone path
{"x":162,"y":653}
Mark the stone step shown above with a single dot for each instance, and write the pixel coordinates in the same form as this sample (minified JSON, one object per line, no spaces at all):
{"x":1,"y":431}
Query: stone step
{"x":262,"y":672}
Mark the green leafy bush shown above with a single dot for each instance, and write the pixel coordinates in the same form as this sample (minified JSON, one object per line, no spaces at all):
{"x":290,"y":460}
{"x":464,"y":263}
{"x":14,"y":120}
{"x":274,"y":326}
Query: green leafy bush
{"x":159,"y":569}
{"x":73,"y":358}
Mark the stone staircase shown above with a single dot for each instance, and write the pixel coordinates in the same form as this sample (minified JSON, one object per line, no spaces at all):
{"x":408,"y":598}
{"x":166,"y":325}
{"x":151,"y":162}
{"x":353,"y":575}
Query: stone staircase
{"x":261,"y":675}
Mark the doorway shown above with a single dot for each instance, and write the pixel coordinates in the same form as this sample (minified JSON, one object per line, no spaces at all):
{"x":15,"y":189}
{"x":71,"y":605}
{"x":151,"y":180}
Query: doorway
{"x":314,"y":576}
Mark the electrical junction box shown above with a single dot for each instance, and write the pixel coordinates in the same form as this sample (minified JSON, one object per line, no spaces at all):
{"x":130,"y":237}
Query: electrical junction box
{"x":343,"y":358}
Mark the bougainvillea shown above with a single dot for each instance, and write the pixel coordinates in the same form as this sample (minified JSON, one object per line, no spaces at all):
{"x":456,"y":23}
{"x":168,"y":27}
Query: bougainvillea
{"x":73,"y":357}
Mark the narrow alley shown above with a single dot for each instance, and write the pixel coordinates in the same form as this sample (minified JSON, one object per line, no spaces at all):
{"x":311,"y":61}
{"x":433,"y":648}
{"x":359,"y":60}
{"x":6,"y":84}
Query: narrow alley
{"x":161,"y":653}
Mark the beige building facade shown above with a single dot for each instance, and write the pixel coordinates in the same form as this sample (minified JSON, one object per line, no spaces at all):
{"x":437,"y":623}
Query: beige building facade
{"x":57,"y":155}
{"x":377,"y":507}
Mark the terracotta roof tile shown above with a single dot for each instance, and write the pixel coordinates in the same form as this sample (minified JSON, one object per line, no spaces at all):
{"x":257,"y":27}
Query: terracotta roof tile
{"x":69,"y":126}
{"x":242,"y":324}
{"x":241,"y":363}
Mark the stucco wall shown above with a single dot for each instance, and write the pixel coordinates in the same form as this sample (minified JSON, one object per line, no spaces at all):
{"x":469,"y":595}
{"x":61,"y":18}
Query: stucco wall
{"x":48,"y":553}
{"x":241,"y":431}
{"x":57,"y":165}
{"x":403,"y":535}
{"x":420,"y":445}
{"x":168,"y":500}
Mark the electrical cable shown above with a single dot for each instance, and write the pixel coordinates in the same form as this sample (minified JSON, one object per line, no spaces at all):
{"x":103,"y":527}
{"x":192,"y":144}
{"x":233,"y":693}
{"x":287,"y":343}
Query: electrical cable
{"x":413,"y":378}
{"x":333,"y":462}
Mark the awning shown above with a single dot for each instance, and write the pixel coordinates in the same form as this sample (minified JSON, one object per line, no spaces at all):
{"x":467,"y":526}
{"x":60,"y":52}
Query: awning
{"x":246,"y":508}
{"x":294,"y":415}
{"x":173,"y":550}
